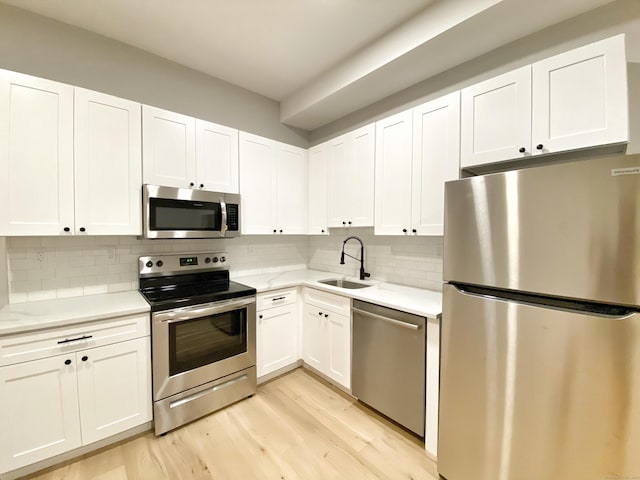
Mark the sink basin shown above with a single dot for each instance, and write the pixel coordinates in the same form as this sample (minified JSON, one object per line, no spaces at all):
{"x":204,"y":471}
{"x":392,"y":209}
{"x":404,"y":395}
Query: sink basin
{"x":343,"y":283}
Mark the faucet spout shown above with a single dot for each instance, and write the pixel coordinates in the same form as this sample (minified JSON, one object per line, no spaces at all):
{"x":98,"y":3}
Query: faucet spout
{"x":363,"y":274}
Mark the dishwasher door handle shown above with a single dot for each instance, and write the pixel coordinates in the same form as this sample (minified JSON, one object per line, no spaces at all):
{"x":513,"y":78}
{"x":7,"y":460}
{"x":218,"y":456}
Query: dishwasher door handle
{"x":399,"y":323}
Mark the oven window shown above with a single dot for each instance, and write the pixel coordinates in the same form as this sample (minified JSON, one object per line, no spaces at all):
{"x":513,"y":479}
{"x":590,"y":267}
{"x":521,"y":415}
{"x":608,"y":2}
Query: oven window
{"x":166,"y":214}
{"x":206,"y":340}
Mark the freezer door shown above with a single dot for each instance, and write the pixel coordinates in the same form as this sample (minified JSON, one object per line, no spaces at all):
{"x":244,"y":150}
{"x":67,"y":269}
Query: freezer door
{"x":531,"y":393}
{"x":569,"y":230}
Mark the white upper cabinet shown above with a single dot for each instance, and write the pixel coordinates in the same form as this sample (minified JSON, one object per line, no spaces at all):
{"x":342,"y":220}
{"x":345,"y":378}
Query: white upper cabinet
{"x":216,"y":157}
{"x":317,"y":206}
{"x":393,"y":174}
{"x":169,"y":148}
{"x":273,"y":186}
{"x":580,"y":98}
{"x":71,"y":165}
{"x":185,"y":152}
{"x":36,"y":155}
{"x":291,"y":190}
{"x":436,"y":160}
{"x":577,"y":99}
{"x":108,"y":164}
{"x":496,"y":119}
{"x":351,"y":178}
{"x":417,"y":151}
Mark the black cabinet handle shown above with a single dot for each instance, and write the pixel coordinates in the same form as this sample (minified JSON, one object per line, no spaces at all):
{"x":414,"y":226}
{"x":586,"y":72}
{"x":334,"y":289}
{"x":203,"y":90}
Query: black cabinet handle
{"x":85,"y":358}
{"x":275,"y":231}
{"x":414,"y":231}
{"x":67,"y":340}
{"x":192,"y":184}
{"x":404,"y":230}
{"x":349,"y":222}
{"x":539,"y":146}
{"x":259,"y":316}
{"x":522,"y":150}
{"x":67,"y":362}
{"x":67,"y":229}
{"x":202,"y":185}
{"x":326,"y":315}
{"x":344,"y":223}
{"x":322,"y":231}
{"x":82,"y":229}
{"x":320,"y":313}
{"x":277,"y":298}
{"x":280,"y":231}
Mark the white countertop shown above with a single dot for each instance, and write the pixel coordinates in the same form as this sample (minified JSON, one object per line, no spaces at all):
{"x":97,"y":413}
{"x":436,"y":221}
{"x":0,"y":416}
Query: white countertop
{"x":427,"y":303}
{"x":23,"y":317}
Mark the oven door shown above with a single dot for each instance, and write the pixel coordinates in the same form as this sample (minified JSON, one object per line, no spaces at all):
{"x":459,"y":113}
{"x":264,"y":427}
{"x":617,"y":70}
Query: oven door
{"x":195,"y":345}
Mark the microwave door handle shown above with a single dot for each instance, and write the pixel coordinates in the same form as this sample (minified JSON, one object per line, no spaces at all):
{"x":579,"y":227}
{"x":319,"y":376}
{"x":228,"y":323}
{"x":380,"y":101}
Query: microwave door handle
{"x":223,"y":223}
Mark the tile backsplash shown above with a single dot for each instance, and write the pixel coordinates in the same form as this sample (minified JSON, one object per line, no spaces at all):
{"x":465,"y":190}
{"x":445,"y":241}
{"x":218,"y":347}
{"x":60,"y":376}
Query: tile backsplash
{"x":41,"y":268}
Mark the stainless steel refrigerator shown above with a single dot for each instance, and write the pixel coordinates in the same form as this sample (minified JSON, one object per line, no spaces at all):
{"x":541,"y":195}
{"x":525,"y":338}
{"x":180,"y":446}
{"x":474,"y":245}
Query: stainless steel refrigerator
{"x":540,"y":365}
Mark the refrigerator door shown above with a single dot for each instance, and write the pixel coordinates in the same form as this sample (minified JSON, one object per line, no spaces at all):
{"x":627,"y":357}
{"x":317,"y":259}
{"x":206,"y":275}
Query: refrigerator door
{"x":569,"y":230}
{"x":531,"y":393}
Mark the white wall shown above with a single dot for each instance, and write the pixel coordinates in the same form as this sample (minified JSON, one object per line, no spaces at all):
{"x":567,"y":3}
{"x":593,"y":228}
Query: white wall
{"x":46,"y":48}
{"x":411,"y":261}
{"x":41,"y":268}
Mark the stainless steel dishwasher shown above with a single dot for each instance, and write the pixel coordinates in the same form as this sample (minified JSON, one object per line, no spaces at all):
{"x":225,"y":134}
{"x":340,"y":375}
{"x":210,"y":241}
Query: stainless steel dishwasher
{"x":388,"y":365}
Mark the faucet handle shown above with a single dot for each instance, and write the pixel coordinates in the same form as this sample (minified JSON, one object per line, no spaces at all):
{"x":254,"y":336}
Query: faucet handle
{"x":366,"y":274}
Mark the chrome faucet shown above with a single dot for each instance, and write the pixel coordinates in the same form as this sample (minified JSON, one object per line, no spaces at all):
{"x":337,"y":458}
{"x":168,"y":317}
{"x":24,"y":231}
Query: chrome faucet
{"x":363,"y":274}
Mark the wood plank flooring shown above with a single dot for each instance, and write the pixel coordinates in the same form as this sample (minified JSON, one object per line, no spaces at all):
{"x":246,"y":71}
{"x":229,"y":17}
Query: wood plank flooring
{"x":295,"y":427}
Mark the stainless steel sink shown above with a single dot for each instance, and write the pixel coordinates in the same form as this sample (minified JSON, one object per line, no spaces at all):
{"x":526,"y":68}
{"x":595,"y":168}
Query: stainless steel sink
{"x":336,"y":282}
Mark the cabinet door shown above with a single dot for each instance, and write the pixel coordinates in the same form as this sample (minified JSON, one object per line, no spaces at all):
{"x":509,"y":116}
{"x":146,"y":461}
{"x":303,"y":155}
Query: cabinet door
{"x":257,"y":184}
{"x":496,"y":119}
{"x":339,"y":180}
{"x":580,"y":98}
{"x":36,"y":155}
{"x":108,"y":164}
{"x":314,"y":331}
{"x":216,"y":157}
{"x":277,"y":335}
{"x":432,"y":386}
{"x":114,"y":388}
{"x":436,"y":160}
{"x":393,"y":175}
{"x":317,"y":206}
{"x":338,"y":338}
{"x":39,"y":405}
{"x":168,"y":148}
{"x":360,"y":206}
{"x":291,"y":190}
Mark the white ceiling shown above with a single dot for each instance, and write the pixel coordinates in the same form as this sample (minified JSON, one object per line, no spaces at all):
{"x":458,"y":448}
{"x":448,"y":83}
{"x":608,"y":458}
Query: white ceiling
{"x":322,"y":59}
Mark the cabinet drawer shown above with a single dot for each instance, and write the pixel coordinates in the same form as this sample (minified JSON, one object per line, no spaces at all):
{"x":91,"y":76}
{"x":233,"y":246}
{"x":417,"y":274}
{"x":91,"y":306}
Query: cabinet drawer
{"x":328,"y":301}
{"x":276,"y":298}
{"x":55,"y":341}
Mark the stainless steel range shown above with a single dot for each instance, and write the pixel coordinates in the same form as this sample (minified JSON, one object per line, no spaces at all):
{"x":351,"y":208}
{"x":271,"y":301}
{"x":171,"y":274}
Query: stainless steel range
{"x":203,"y":336}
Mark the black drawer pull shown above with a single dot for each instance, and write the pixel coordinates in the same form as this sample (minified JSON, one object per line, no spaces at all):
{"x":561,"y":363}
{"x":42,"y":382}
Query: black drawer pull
{"x":67,"y":340}
{"x":277,"y":298}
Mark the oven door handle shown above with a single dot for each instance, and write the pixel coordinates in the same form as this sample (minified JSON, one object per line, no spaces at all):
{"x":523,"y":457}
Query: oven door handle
{"x":189,"y":313}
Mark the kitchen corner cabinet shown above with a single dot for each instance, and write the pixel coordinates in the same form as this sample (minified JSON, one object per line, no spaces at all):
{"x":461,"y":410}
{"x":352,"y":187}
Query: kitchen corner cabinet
{"x":417,"y":151}
{"x":574,"y":100}
{"x":55,"y":397}
{"x":49,"y":158}
{"x":351,"y":178}
{"x":317,"y":200}
{"x":186,"y":152}
{"x":273,"y":187}
{"x":277,"y":330}
{"x":326,"y":335}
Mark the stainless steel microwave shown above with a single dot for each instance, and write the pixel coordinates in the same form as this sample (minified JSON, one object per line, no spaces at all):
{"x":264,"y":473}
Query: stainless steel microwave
{"x":170,"y":212}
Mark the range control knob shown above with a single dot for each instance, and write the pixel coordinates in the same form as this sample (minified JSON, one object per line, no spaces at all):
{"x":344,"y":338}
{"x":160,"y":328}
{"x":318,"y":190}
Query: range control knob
{"x":214,"y":259}
{"x":159,"y":263}
{"x":149,"y":264}
{"x":223,"y":259}
{"x":207,"y":260}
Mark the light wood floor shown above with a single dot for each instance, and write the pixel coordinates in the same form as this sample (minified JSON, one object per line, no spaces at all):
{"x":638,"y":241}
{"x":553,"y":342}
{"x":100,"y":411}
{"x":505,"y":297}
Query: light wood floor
{"x":296,"y":427}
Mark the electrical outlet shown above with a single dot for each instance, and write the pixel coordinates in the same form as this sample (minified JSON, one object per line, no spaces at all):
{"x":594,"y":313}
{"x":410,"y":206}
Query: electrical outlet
{"x":40,"y":255}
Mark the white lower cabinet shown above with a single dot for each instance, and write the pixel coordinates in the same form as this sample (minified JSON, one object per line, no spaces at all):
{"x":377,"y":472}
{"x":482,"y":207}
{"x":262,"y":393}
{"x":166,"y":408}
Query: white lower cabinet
{"x":78,"y":396}
{"x":326,"y":335}
{"x":277,"y":331}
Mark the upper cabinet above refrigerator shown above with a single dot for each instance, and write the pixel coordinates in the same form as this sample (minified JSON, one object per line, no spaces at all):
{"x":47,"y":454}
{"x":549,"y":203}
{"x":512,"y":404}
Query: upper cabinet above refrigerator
{"x":574,"y":100}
